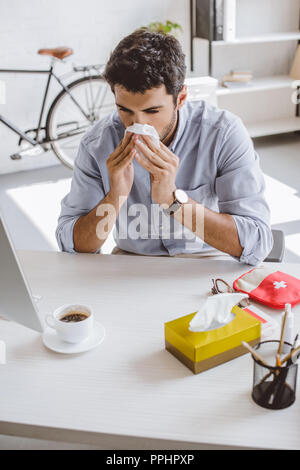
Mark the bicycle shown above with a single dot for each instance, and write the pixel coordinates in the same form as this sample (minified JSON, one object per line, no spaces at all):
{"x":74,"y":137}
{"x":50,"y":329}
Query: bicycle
{"x":77,"y":107}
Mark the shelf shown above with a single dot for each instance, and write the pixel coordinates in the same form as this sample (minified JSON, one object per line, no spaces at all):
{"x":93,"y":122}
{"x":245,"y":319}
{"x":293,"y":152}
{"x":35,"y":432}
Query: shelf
{"x":259,"y":84}
{"x":271,"y":37}
{"x":275,"y":126}
{"x":271,"y":111}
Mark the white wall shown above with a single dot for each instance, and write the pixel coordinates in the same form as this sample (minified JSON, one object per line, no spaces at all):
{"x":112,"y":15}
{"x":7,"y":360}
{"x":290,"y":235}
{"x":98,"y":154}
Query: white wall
{"x":91,"y":27}
{"x":94,"y":27}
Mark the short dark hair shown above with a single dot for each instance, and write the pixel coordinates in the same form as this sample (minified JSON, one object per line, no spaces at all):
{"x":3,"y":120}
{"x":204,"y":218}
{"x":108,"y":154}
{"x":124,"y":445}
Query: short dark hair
{"x":145,"y":60}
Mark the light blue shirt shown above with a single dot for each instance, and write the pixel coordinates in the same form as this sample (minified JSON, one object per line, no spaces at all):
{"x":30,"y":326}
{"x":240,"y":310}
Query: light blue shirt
{"x":218,"y":168}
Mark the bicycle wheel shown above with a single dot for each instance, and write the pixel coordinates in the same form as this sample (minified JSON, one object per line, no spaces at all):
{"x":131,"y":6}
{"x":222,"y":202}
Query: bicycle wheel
{"x":72,"y":114}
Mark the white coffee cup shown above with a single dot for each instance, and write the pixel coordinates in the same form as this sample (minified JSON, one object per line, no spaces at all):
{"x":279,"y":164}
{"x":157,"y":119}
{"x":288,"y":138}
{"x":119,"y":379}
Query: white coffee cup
{"x":71,"y":332}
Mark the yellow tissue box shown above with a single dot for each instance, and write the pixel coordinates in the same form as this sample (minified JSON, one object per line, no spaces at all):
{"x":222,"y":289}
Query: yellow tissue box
{"x":201,"y":351}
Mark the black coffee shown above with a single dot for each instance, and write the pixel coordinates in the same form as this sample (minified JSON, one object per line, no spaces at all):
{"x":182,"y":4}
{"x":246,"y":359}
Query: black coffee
{"x":74,"y":317}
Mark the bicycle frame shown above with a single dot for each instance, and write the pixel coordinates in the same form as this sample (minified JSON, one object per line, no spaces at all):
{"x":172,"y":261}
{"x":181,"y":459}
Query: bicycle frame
{"x":50,"y":74}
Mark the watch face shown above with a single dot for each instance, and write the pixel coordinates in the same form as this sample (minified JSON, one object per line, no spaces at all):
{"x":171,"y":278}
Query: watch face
{"x":181,"y":196}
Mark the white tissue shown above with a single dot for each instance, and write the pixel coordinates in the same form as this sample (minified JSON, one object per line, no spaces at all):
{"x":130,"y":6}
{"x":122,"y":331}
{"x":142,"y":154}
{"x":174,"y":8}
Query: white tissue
{"x":216,"y":312}
{"x":144,"y":129}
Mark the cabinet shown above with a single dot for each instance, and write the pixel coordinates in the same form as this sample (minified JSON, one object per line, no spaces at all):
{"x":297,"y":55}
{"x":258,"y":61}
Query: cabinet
{"x":267,"y":33}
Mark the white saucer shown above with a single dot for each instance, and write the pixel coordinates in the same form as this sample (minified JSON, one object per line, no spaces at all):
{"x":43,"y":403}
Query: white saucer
{"x":51,"y":341}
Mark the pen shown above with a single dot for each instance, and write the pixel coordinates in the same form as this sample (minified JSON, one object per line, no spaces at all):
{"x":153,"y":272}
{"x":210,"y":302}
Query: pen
{"x":294,"y":357}
{"x":295,"y":341}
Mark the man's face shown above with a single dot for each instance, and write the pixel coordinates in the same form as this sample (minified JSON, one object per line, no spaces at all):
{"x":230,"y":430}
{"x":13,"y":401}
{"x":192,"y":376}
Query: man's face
{"x":155,"y":108}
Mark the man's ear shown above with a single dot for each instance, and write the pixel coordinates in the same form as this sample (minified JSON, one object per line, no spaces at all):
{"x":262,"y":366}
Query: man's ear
{"x":182,"y":97}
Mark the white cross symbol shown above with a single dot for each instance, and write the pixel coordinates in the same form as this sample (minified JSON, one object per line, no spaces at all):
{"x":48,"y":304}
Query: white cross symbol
{"x":278,"y":285}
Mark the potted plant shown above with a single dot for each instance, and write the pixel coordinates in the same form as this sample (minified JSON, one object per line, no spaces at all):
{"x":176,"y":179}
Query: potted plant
{"x":167,"y":28}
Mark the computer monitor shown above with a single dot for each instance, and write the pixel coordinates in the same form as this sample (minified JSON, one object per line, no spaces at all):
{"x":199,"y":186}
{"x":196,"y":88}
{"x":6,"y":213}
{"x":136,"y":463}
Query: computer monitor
{"x":16,"y":301}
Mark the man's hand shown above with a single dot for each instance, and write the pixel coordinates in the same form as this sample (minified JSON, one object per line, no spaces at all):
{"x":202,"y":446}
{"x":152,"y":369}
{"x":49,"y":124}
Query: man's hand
{"x":120,"y":168}
{"x":121,"y":173}
{"x":162,"y":165}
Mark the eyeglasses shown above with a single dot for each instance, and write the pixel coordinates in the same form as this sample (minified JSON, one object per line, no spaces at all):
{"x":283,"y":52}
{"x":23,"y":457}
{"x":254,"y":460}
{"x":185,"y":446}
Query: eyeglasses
{"x":216,"y":289}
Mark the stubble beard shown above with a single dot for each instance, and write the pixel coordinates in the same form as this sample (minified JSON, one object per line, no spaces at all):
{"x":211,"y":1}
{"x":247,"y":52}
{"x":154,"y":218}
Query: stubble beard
{"x":168,"y":129}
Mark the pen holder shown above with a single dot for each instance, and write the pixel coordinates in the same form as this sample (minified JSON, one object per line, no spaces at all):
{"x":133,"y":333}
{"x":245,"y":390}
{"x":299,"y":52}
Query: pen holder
{"x":273,"y":387}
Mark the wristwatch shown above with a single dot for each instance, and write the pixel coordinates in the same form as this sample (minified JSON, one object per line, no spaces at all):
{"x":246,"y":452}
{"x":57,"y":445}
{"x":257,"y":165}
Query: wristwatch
{"x":180,"y":198}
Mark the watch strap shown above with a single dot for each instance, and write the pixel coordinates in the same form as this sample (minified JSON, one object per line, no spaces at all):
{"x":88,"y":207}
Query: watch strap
{"x":173,"y":208}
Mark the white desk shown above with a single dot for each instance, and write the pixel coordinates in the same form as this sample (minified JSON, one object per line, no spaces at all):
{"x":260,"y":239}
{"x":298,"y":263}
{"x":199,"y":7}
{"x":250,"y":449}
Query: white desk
{"x":2,"y":92}
{"x":130,"y":392}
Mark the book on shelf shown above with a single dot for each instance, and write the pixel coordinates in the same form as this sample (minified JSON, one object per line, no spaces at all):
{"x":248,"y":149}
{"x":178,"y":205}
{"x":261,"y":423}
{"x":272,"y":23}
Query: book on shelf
{"x":234,"y":85}
{"x":237,"y":78}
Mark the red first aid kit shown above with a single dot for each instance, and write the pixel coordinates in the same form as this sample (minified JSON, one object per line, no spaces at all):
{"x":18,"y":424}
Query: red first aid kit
{"x":269,"y":287}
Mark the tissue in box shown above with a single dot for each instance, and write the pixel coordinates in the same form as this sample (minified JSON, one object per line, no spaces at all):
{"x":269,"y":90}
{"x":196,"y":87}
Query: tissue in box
{"x":201,"y":351}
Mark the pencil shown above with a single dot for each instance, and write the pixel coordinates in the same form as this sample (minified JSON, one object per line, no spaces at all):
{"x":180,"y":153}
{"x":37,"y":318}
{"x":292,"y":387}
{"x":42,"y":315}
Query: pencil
{"x":282,"y":332}
{"x":288,"y":356}
{"x":284,"y":360}
{"x":278,"y":362}
{"x":254,"y":353}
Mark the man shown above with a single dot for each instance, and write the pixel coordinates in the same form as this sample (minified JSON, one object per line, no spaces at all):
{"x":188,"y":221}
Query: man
{"x":204,"y":178}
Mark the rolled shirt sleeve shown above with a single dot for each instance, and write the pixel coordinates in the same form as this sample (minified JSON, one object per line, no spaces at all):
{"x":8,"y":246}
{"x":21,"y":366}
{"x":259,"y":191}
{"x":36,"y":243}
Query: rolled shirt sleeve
{"x":86,"y":193}
{"x":240,"y":187}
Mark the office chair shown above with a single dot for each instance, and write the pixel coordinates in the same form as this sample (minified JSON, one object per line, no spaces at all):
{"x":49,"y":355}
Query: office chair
{"x":277,"y":252}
